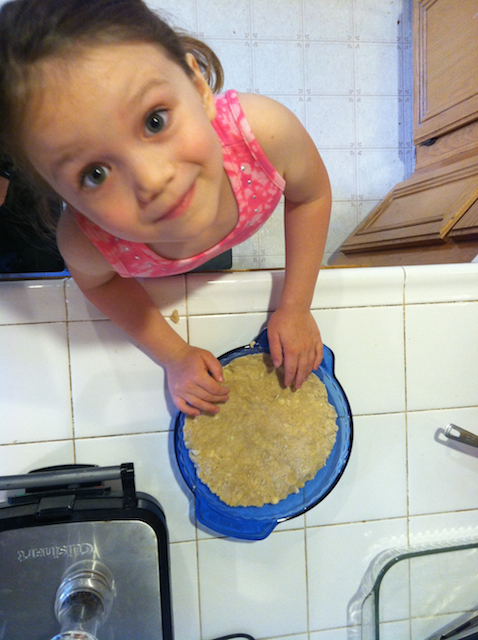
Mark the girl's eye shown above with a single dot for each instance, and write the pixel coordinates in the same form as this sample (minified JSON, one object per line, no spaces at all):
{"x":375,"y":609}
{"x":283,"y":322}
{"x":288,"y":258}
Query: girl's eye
{"x":156,"y":121}
{"x":94,"y":177}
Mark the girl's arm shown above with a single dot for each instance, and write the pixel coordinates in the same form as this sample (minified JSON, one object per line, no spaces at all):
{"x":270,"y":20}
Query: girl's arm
{"x":294,"y":337}
{"x":194,"y":375}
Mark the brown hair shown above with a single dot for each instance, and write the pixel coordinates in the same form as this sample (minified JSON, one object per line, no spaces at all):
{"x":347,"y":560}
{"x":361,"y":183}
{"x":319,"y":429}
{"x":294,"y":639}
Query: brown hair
{"x":34,"y":30}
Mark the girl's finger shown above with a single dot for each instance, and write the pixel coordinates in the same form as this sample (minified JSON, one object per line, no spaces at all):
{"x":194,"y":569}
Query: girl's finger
{"x":290,"y":368}
{"x":319,"y":355}
{"x":202,"y":404}
{"x":275,"y":348}
{"x":214,"y":367}
{"x":183,"y":406}
{"x":211,"y":389}
{"x":206,"y":390}
{"x":304,"y":367}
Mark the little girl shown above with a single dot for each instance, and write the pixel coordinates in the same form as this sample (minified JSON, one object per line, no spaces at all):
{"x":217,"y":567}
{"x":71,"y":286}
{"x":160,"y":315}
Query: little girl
{"x":104,"y":104}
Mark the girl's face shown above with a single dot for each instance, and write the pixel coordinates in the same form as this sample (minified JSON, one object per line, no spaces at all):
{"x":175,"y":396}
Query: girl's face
{"x":124,"y":136}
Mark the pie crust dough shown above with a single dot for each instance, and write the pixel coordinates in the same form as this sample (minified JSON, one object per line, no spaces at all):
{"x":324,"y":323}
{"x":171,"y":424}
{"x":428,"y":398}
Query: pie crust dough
{"x":267,"y":440}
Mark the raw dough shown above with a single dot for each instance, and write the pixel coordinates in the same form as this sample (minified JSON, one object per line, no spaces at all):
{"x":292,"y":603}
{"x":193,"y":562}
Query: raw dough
{"x":267,"y":440}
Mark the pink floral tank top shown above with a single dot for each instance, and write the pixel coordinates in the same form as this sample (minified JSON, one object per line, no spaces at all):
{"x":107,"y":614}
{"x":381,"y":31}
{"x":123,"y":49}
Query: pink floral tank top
{"x":256,"y":184}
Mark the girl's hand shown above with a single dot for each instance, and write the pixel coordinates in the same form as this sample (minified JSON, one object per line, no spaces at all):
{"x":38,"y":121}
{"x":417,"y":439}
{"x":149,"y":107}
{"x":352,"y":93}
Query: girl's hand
{"x":294,"y":340}
{"x":194,"y":377}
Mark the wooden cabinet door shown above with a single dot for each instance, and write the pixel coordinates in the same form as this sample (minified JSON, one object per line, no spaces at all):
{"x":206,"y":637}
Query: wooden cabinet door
{"x":420,"y":211}
{"x":445,"y":66}
{"x":431,"y":217}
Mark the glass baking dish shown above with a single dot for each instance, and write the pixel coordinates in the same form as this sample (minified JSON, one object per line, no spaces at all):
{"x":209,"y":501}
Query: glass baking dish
{"x":420,"y":593}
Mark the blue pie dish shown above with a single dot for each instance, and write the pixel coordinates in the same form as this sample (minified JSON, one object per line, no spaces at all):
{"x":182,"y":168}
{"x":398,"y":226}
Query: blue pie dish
{"x":256,"y":523}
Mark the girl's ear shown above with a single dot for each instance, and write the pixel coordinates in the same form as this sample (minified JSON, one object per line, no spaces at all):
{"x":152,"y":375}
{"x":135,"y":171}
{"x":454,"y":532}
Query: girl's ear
{"x":204,"y":90}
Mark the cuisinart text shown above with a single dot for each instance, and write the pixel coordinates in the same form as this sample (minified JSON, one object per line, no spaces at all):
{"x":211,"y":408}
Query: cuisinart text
{"x":57,"y":551}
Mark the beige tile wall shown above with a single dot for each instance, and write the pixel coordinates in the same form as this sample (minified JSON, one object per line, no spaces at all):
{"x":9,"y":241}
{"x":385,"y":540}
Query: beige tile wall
{"x":344,"y":68}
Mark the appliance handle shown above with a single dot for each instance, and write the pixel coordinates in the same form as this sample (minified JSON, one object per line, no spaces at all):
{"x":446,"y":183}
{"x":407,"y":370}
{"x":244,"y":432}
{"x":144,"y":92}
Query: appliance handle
{"x":64,"y":476}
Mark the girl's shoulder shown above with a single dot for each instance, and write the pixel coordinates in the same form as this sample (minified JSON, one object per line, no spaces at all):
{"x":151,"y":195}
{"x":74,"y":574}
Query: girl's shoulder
{"x":277,"y":130}
{"x":78,"y":252}
{"x":288,"y":145}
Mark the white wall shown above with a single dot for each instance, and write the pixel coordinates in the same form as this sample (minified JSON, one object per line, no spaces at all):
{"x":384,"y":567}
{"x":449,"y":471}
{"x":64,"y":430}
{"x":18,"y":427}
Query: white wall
{"x":73,"y":389}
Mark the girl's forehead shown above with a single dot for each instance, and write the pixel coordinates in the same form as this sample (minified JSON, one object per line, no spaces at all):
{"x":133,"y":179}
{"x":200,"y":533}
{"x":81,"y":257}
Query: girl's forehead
{"x":102,"y":72}
{"x":104,"y":58}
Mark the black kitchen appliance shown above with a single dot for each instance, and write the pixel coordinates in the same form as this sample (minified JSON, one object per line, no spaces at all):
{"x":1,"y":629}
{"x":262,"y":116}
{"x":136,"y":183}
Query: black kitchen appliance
{"x":24,"y":250}
{"x":83,"y":554}
{"x":27,"y":253}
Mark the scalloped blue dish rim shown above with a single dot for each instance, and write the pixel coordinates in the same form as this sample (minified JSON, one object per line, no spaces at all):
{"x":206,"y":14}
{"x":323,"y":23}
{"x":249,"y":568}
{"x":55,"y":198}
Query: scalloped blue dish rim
{"x":256,"y":523}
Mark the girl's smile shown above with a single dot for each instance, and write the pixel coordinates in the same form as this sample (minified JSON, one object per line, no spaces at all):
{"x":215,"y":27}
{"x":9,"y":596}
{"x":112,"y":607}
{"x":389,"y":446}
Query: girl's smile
{"x":181,"y":207}
{"x":124,"y":136}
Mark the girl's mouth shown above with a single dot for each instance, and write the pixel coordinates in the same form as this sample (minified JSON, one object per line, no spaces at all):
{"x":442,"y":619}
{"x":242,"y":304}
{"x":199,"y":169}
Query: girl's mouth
{"x":181,"y":206}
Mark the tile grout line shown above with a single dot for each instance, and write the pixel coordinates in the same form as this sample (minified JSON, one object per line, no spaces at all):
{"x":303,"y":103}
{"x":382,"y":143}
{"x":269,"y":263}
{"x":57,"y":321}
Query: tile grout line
{"x":251,"y":46}
{"x":198,"y":579}
{"x":355,"y":199}
{"x":406,"y":442}
{"x":68,"y":349}
{"x":307,"y":598}
{"x":186,"y":305}
{"x":151,"y":433}
{"x":406,"y":391}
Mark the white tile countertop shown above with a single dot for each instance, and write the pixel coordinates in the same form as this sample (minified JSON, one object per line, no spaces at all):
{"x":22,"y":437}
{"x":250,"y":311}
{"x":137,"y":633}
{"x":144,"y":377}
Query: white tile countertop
{"x":74,"y":389}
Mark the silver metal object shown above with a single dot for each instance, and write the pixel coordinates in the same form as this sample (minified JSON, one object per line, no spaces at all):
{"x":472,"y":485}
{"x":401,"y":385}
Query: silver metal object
{"x":464,"y":628}
{"x":461,"y":435}
{"x":84,"y":599}
{"x":36,"y":560}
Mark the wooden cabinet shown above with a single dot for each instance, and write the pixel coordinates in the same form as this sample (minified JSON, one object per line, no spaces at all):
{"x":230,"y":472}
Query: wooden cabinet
{"x":433,"y":216}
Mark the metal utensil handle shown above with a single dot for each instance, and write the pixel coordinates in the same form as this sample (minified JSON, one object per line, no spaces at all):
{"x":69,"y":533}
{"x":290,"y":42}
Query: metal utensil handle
{"x":60,"y":477}
{"x":461,"y":435}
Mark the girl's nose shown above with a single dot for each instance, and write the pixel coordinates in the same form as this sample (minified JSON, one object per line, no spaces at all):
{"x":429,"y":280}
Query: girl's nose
{"x":151,"y":173}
